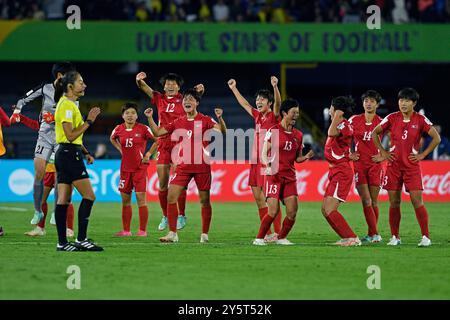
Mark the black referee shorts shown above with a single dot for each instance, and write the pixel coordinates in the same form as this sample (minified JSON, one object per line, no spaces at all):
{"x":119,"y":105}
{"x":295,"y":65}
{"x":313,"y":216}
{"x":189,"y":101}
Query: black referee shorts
{"x":69,"y":163}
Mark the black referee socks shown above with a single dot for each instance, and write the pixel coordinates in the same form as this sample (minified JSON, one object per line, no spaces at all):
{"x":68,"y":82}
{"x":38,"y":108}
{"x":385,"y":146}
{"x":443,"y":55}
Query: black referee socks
{"x":84,"y":211}
{"x":61,"y":217}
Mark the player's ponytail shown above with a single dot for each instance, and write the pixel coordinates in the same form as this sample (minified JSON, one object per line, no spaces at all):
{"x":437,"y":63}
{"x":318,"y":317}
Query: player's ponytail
{"x":59,"y":90}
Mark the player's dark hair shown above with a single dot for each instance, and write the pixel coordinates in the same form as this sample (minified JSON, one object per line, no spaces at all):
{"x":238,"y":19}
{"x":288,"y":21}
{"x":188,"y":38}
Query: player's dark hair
{"x":62,"y":67}
{"x":372,"y":94}
{"x":192,"y":92}
{"x":345,"y":104}
{"x":62,"y":83}
{"x":287,"y":105}
{"x":171,"y":77}
{"x":265,"y":94}
{"x":409,"y":93}
{"x":129,"y":105}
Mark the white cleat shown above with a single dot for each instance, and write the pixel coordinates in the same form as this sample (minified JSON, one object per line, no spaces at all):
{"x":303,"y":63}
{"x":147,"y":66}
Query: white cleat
{"x":284,"y":242}
{"x":171,"y":237}
{"x":259,"y":242}
{"x":394,"y":241}
{"x":204,"y":238}
{"x":271,"y":237}
{"x":348,"y":242}
{"x":38,"y":231}
{"x":69,"y":233}
{"x":425,"y":242}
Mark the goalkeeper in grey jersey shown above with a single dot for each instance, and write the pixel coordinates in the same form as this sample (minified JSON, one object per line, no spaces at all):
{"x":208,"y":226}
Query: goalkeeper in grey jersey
{"x":46,"y":143}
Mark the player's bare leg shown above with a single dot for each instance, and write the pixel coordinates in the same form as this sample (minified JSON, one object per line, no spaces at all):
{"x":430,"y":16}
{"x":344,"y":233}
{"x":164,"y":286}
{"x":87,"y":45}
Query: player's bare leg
{"x":172,"y":213}
{"x":127,"y":213}
{"x":395,"y":198}
{"x":143,"y":214}
{"x":374,"y":192}
{"x":206,"y":215}
{"x":421,"y":215}
{"x":330,"y":211}
{"x":163,"y":171}
{"x":369,"y":214}
{"x":291,"y":204}
{"x":38,"y":189}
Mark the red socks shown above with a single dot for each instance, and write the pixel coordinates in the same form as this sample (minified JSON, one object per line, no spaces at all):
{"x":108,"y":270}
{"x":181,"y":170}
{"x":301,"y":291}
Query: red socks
{"x":70,"y":218}
{"x":163,"y":201}
{"x":422,"y":218}
{"x":143,"y":218}
{"x":287,"y":226}
{"x":375,"y":210}
{"x":262,"y":212}
{"x":339,"y":225}
{"x":394,"y":221}
{"x":265,"y":226}
{"x":172,"y":216}
{"x":44,"y":208}
{"x":126,"y":218}
{"x":371,"y":220}
{"x":277,"y":222}
{"x":182,"y":202}
{"x":206,"y":218}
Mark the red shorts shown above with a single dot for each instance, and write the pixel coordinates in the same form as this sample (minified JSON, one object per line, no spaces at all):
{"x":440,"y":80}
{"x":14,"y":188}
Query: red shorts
{"x":279,"y":188}
{"x":255,"y":179}
{"x":370,"y":175}
{"x":164,"y":151}
{"x":395,"y":178}
{"x":202,"y":179}
{"x":49,"y":179}
{"x":136,"y":180}
{"x":340,"y":181}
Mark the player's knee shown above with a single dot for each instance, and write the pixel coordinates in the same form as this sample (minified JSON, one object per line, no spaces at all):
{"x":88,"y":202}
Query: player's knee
{"x":366,"y":202}
{"x":417,"y":202}
{"x":205,"y":202}
{"x":292,"y":214}
{"x":374,"y":203}
{"x":395,"y":203}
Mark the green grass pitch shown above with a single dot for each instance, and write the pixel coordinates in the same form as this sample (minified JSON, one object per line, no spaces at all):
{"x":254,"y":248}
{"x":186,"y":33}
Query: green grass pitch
{"x":228,"y":267}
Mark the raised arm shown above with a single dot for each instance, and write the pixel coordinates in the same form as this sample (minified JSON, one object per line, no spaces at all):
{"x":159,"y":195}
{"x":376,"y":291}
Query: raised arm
{"x":221,"y":126}
{"x":157,"y":131}
{"x":435,"y":140}
{"x":276,"y":95}
{"x":200,"y":88}
{"x":333,"y":131}
{"x":242,"y":101}
{"x":143,"y":85}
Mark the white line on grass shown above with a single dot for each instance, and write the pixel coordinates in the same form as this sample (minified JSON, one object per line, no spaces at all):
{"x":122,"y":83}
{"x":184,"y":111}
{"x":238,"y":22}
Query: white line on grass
{"x":13,"y":209}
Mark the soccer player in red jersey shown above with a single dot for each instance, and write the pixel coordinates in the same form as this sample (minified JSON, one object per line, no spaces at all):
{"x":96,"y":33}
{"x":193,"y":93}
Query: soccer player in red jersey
{"x":406,"y":127}
{"x":340,"y":176}
{"x":284,"y":143}
{"x":368,"y":174}
{"x":264,"y":118}
{"x":170,"y":108}
{"x":191,"y":158}
{"x":130,"y":138}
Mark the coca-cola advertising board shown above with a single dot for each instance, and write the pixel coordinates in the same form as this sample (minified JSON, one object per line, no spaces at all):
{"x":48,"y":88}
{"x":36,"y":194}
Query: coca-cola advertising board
{"x":230,"y":182}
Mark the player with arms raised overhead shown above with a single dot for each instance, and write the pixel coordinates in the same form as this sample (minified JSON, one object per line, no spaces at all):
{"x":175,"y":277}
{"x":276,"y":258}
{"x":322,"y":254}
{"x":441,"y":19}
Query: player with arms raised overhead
{"x":284,"y":143}
{"x":340,"y":176}
{"x":264,"y":118}
{"x":368,"y":173}
{"x":130,"y":138}
{"x":193,"y":160}
{"x":406,"y":127}
{"x":170,"y":108}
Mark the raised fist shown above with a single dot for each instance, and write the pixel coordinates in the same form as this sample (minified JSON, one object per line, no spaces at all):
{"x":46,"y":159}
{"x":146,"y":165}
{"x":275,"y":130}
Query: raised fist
{"x":218,"y":112}
{"x":148,"y":112}
{"x":232,"y":83}
{"x":274,"y":81}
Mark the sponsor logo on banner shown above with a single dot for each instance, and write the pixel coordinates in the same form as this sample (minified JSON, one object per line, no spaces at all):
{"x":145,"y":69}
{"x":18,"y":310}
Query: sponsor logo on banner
{"x":436,"y":184}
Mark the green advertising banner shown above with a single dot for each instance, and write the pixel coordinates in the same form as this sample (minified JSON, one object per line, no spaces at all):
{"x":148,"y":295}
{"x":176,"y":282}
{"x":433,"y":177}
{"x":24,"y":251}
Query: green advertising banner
{"x":232,"y":42}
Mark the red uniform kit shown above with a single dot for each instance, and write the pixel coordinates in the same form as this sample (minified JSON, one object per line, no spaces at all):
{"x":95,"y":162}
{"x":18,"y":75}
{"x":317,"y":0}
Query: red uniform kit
{"x":405,"y":138}
{"x":262,"y":124}
{"x":133,"y":173}
{"x":284,"y":150}
{"x":336,"y":153}
{"x":366,"y":171}
{"x":169,"y":109}
{"x":193,"y":158}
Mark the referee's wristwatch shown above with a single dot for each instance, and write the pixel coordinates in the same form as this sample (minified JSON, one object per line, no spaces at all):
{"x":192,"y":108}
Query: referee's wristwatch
{"x":89,"y":122}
